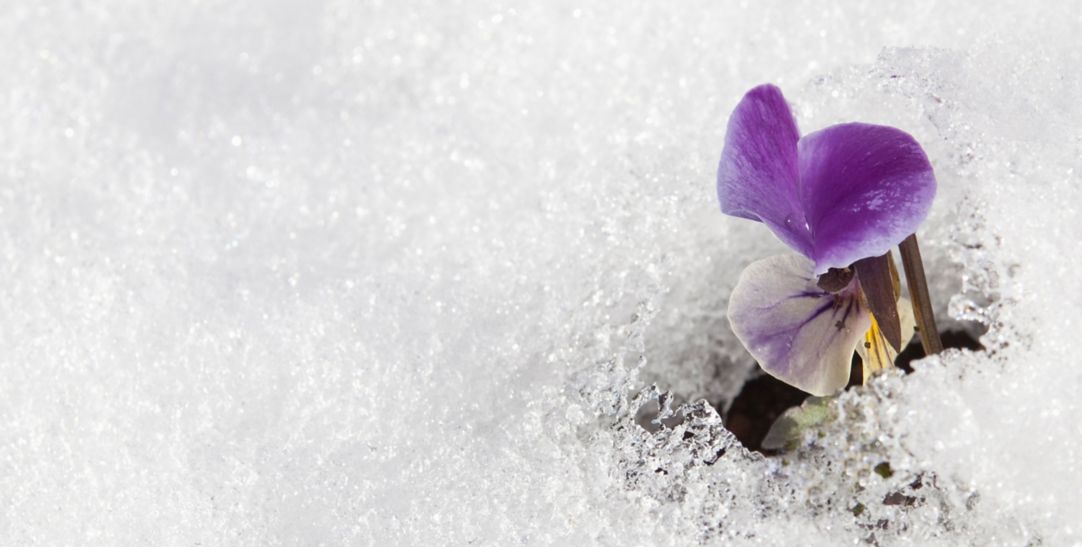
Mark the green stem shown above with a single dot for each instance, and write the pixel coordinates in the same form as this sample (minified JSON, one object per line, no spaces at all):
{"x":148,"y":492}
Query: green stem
{"x":918,"y":291}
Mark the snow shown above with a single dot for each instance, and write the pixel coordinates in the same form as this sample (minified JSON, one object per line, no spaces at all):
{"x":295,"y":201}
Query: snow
{"x":403,"y":272}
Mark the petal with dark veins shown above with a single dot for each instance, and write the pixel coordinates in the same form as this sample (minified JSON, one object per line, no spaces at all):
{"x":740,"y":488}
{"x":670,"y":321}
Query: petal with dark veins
{"x":799,"y":333}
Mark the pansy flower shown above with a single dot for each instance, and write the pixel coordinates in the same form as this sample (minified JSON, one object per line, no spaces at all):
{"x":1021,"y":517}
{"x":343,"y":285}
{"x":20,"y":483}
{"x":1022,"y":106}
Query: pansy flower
{"x":842,"y":198}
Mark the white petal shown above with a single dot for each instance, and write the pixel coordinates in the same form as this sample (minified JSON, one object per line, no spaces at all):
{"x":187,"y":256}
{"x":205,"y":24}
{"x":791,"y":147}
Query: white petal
{"x":799,"y":333}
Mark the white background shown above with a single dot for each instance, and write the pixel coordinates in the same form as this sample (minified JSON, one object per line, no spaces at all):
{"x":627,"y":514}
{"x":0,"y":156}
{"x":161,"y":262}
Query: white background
{"x":391,"y":272}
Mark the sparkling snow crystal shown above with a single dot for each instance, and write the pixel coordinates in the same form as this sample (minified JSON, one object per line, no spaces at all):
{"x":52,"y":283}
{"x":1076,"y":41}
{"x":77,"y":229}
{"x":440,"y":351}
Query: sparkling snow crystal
{"x":454,"y":273}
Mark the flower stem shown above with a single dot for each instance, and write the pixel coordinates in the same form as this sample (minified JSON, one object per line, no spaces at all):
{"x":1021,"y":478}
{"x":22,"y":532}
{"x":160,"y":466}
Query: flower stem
{"x":918,"y":291}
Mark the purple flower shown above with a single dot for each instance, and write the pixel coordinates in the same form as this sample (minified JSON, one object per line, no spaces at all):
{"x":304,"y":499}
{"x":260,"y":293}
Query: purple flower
{"x":842,"y":197}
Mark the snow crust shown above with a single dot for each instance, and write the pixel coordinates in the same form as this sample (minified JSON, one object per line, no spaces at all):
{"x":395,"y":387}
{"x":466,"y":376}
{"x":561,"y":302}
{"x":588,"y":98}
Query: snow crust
{"x":405,"y":273}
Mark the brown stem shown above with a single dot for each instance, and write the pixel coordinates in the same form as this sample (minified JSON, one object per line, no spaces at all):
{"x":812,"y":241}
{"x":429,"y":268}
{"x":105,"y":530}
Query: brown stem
{"x":878,"y":289}
{"x":918,"y":291}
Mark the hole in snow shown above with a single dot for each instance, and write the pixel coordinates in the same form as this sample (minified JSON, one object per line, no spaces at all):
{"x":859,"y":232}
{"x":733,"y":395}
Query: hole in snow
{"x":764,"y":398}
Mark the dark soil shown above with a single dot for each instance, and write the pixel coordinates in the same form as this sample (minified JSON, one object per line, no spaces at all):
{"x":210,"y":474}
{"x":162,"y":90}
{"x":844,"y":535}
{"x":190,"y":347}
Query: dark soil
{"x":764,"y":398}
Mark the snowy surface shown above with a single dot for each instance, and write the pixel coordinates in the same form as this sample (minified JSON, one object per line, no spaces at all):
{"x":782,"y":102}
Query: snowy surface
{"x":396,"y":273}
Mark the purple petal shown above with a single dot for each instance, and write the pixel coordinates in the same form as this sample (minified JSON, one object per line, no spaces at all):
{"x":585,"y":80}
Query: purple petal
{"x":797,"y":332}
{"x":757,"y":175}
{"x":864,"y":188}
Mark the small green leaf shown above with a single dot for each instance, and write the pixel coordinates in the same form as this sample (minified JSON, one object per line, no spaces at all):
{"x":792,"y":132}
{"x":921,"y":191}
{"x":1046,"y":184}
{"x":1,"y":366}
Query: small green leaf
{"x":787,"y":429}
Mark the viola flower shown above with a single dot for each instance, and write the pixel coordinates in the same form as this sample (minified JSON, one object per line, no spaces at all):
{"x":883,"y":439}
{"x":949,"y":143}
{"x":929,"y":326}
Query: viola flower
{"x":841,"y":197}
